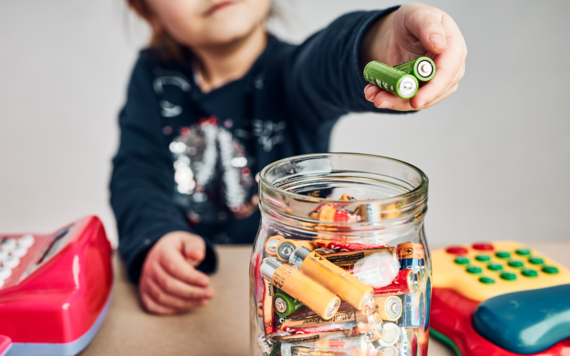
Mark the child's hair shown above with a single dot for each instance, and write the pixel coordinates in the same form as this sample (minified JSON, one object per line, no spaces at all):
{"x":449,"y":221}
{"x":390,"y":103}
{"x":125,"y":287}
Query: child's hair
{"x":161,"y":40}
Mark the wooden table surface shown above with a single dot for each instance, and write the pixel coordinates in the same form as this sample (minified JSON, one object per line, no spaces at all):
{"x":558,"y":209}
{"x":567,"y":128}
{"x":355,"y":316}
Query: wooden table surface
{"x":221,"y":328}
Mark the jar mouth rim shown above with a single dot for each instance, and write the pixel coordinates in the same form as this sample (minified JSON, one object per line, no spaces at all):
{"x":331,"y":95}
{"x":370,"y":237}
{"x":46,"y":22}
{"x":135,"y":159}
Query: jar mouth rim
{"x":263,"y":181}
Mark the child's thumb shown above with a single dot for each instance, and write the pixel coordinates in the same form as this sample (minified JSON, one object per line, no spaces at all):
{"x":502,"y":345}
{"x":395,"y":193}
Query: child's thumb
{"x":426,"y":26}
{"x":194,"y":249}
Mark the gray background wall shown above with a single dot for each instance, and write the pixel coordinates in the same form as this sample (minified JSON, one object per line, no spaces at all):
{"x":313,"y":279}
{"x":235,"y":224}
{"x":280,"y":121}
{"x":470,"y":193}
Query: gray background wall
{"x":497,"y":151}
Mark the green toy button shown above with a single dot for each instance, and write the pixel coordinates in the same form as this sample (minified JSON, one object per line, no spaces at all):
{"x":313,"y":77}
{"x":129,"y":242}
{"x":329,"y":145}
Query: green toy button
{"x":523,"y":251}
{"x":516,"y":264}
{"x":536,"y":260}
{"x":550,"y":270}
{"x":503,"y":254}
{"x":530,"y":273}
{"x":508,"y":276}
{"x":461,"y":260}
{"x":486,"y":280}
{"x":482,"y":258}
{"x":495,"y":267}
{"x":474,"y":270}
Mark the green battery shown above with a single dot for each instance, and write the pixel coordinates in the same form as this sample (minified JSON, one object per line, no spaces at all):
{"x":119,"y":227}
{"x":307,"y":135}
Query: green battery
{"x":394,"y":81}
{"x":285,"y":304}
{"x":422,"y":68}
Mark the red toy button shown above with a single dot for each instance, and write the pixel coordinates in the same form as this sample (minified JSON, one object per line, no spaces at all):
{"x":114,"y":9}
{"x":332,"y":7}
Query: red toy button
{"x":483,"y":246}
{"x":456,"y":250}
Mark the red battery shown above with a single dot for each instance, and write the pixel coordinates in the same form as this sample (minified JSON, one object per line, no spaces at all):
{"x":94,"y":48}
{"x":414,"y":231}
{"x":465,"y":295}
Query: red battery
{"x":404,"y":283}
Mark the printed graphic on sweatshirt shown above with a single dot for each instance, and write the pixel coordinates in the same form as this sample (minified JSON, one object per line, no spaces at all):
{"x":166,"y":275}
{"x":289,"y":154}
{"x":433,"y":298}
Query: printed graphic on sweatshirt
{"x":212,"y":173}
{"x":164,"y":79}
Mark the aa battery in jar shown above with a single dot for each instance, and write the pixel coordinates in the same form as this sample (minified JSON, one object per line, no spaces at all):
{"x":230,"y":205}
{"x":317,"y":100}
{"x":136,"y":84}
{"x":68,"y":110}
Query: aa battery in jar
{"x":394,"y":81}
{"x":422,"y":68}
{"x":291,"y":281}
{"x":286,"y":247}
{"x":389,"y":307}
{"x":332,"y":277}
{"x":271,"y":244}
{"x":285,"y":304}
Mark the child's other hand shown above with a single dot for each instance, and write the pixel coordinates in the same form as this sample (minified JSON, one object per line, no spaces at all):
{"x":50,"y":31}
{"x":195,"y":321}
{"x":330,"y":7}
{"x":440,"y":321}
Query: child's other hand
{"x":412,"y":31}
{"x":169,"y":281}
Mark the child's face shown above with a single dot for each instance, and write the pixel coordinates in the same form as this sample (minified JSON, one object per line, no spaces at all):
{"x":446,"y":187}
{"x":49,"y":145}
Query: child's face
{"x":203,"y":23}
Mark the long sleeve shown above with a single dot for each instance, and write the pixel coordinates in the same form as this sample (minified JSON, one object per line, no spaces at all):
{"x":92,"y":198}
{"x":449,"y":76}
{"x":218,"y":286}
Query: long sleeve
{"x":322,"y":77}
{"x":142,"y":181}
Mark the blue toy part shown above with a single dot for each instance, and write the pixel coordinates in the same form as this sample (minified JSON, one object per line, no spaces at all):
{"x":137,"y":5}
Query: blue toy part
{"x":525,"y":322}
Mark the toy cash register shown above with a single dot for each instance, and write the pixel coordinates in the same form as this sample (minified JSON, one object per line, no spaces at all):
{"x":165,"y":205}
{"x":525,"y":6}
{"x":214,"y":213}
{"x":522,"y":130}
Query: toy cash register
{"x":54,"y":289}
{"x":500,"y":299}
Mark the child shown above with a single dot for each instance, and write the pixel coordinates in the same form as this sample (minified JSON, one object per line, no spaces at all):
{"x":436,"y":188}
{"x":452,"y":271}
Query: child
{"x":215,"y":98}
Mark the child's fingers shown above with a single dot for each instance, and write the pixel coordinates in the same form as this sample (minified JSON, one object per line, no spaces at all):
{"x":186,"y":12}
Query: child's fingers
{"x":386,"y":100}
{"x":194,"y":248}
{"x":171,"y":285}
{"x":153,"y":307}
{"x":370,"y":92}
{"x":450,"y":68}
{"x":164,"y":299}
{"x":424,"y":22}
{"x":177,"y":266}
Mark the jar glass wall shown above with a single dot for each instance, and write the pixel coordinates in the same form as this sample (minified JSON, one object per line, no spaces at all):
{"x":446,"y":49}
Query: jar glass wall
{"x":340,"y":264}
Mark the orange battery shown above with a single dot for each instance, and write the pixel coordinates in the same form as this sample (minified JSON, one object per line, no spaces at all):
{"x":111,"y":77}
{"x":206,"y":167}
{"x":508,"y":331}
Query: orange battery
{"x":347,"y":197}
{"x":286,"y":247}
{"x":410,"y":250}
{"x":291,"y":281}
{"x":271,"y":244}
{"x":332,"y":277}
{"x":389,"y":307}
{"x":268,"y":320}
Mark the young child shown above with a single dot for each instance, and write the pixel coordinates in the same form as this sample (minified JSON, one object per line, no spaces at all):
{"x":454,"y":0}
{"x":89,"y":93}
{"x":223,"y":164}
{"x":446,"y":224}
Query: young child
{"x":215,"y":98}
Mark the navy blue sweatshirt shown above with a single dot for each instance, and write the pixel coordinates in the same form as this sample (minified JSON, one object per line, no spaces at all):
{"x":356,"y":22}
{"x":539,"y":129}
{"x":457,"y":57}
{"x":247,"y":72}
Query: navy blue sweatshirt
{"x":187,"y":160}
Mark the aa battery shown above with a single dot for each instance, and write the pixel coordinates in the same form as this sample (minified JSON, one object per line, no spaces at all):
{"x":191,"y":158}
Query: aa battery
{"x":389,"y":307}
{"x":387,"y":350}
{"x":352,"y":316}
{"x":392,"y":334}
{"x":422,"y":68}
{"x":411,"y":313}
{"x":285,"y":305}
{"x":286,"y":337}
{"x":332,"y":277}
{"x":286,"y":247}
{"x":392,"y":80}
{"x":343,"y":246}
{"x":268,"y":320}
{"x":271,"y":244}
{"x":304,"y":312}
{"x":291,"y":281}
{"x":347,"y":260}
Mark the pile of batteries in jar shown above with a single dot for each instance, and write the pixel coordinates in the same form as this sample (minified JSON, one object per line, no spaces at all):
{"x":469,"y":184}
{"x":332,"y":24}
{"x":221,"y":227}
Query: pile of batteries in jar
{"x":319,"y":301}
{"x":401,"y":80}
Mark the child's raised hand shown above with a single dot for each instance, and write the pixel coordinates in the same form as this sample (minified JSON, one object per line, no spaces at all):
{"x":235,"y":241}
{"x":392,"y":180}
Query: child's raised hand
{"x":412,"y":31}
{"x":169,"y":281}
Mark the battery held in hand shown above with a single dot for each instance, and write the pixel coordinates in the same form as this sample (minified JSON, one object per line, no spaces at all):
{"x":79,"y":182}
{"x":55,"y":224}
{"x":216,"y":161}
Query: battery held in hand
{"x":392,"y":80}
{"x":422,"y":68}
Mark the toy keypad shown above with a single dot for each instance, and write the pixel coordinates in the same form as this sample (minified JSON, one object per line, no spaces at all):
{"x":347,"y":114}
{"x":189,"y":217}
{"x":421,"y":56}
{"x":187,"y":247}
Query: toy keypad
{"x":485,"y":270}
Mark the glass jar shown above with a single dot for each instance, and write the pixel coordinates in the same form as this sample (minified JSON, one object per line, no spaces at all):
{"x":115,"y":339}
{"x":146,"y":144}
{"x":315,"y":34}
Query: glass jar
{"x":340,"y":264}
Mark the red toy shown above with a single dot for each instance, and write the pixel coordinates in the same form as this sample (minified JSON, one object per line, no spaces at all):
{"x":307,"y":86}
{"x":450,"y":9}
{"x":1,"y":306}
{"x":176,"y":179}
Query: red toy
{"x":471,"y":282}
{"x":54,"y":289}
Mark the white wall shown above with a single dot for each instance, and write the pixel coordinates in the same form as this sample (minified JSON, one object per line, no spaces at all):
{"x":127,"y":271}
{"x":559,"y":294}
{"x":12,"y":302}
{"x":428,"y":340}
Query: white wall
{"x":496,"y":152}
